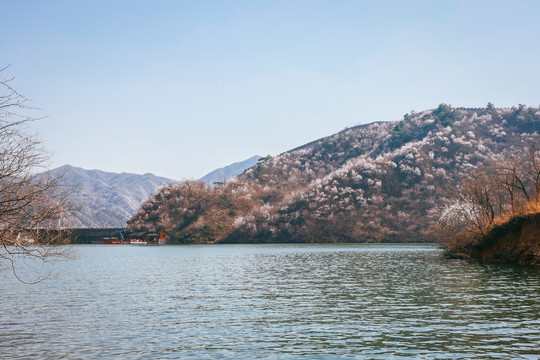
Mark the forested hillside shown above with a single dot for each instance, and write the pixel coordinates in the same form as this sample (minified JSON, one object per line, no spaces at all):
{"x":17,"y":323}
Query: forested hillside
{"x":384,"y":181}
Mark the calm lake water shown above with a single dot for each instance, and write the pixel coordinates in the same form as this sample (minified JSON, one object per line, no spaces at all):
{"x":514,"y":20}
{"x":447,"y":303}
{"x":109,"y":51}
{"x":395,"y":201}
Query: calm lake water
{"x":271,"y":302}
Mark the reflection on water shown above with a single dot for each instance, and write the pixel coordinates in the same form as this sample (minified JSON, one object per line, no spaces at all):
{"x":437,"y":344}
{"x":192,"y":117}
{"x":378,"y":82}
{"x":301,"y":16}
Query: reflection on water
{"x":272,"y":301}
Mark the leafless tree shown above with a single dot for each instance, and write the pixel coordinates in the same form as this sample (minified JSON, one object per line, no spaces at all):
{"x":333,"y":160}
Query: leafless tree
{"x":30,"y":207}
{"x":492,"y":196}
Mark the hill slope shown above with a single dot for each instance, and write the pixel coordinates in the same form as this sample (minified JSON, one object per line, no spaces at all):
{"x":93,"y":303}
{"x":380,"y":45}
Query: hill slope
{"x":384,"y":181}
{"x":104,"y":199}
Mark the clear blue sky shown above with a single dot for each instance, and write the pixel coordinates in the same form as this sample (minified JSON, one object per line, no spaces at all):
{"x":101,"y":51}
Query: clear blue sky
{"x":179,"y":88}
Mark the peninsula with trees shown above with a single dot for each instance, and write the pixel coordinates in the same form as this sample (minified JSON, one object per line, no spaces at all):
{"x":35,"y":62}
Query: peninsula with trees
{"x":411,"y":180}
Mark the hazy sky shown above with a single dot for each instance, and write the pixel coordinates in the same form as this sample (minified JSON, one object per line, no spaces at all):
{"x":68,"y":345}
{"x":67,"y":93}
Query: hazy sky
{"x":179,"y":88}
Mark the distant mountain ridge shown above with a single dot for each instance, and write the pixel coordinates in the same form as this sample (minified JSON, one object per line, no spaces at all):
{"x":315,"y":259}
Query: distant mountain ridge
{"x":230,"y":171}
{"x":104,"y":199}
{"x":108,"y":199}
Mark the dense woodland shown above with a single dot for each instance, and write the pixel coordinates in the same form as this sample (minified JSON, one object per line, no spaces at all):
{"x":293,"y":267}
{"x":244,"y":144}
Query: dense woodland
{"x":384,"y":181}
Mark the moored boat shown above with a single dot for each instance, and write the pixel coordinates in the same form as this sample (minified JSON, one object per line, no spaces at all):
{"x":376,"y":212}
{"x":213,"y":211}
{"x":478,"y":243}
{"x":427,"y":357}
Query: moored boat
{"x":138,"y":242}
{"x":146,"y":238}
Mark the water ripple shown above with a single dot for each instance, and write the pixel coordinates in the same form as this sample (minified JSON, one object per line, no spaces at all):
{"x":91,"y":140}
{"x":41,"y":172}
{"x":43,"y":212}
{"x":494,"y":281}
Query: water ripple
{"x":272,"y":301}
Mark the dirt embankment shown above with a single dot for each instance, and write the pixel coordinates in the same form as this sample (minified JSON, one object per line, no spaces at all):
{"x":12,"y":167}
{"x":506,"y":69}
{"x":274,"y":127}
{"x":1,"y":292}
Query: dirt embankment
{"x":516,"y":241}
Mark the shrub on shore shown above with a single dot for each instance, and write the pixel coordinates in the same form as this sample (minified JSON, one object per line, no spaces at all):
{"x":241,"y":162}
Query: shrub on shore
{"x":491,"y":207}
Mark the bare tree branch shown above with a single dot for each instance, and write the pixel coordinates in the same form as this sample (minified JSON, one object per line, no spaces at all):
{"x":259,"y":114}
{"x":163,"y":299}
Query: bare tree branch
{"x":30,"y":208}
